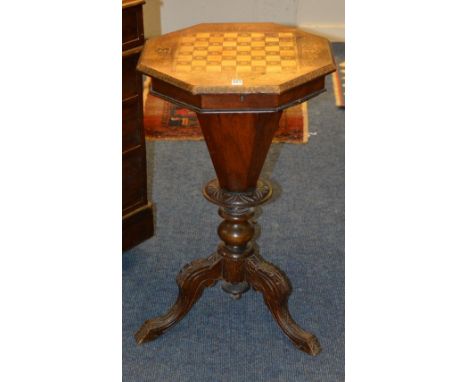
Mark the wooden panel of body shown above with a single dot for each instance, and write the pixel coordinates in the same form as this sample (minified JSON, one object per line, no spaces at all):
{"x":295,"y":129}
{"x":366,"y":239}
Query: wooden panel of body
{"x":137,"y":224}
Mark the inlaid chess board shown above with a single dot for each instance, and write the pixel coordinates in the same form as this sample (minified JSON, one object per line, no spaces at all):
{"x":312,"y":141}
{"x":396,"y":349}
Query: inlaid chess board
{"x":237,"y":58}
{"x":237,"y":52}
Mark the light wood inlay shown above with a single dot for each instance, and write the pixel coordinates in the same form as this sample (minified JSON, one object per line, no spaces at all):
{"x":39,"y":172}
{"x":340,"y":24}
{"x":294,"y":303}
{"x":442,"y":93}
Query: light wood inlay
{"x":237,"y":52}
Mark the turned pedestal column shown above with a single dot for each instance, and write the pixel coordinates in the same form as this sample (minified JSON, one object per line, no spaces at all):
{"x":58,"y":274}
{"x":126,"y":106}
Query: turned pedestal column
{"x":237,"y":78}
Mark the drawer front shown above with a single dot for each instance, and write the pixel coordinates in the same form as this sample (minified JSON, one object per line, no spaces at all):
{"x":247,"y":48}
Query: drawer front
{"x":132,"y":27}
{"x":131,"y":123}
{"x":133,"y":179}
{"x":131,"y":79}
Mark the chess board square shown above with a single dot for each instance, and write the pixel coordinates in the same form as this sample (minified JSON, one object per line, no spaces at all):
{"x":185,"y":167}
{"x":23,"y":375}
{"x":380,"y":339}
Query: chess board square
{"x":257,"y":35}
{"x":229,"y":43}
{"x":199,"y":43}
{"x":244,"y":39}
{"x":274,"y":48}
{"x":272,"y":39}
{"x":241,"y":48}
{"x":230,"y":34}
{"x":214,"y":58}
{"x":259,"y":62}
{"x":215,"y":48}
{"x":259,"y":44}
{"x":243,"y":63}
{"x":259,"y":52}
{"x":286,"y":43}
{"x":198,"y":62}
{"x":275,"y":57}
{"x":216,"y":39}
{"x":285,"y":34}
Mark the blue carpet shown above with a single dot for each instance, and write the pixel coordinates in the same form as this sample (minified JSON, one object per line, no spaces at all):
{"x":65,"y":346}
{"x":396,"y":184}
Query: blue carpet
{"x":302,"y":231}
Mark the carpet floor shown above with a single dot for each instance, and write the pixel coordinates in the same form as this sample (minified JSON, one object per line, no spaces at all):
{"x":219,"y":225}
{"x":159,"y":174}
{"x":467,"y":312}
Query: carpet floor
{"x":302,"y":232}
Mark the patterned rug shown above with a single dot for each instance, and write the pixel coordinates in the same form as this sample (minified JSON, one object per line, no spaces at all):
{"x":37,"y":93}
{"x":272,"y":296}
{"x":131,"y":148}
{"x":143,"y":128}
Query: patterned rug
{"x":164,"y":121}
{"x":338,"y":79}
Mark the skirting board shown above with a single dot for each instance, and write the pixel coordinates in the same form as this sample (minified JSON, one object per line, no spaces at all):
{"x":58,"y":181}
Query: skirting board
{"x":334,"y":32}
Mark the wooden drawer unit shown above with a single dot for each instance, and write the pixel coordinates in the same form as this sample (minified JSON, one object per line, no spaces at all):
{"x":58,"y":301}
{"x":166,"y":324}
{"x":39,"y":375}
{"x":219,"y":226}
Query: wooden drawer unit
{"x":132,"y":24}
{"x":137,"y":211}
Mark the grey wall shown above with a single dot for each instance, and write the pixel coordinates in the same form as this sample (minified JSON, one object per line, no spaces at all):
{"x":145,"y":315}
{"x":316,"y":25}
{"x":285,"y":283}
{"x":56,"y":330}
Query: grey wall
{"x":321,"y":16}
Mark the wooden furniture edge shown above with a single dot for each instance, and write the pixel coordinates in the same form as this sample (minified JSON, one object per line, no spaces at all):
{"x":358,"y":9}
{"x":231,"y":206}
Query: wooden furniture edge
{"x":131,"y":3}
{"x":129,"y":52}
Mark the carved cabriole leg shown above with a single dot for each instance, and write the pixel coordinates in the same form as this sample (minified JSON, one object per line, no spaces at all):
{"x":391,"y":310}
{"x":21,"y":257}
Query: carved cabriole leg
{"x":275,"y":287}
{"x":192,"y":280}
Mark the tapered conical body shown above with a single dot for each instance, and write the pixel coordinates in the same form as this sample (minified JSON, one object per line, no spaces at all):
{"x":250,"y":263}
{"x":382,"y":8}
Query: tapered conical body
{"x":238,"y":144}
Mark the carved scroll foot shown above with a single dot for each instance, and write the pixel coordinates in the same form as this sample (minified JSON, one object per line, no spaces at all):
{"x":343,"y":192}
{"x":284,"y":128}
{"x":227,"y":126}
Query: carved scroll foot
{"x":192,"y":280}
{"x":275,"y":287}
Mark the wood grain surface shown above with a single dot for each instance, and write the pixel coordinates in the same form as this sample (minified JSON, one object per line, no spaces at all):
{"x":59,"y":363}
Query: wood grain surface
{"x":237,"y":58}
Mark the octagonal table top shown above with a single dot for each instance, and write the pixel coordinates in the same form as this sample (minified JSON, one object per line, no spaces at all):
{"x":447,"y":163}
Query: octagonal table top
{"x":241,"y":58}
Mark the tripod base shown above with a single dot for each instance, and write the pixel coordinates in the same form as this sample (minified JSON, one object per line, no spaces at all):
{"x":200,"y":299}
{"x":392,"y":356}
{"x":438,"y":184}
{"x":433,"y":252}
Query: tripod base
{"x":239,"y":264}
